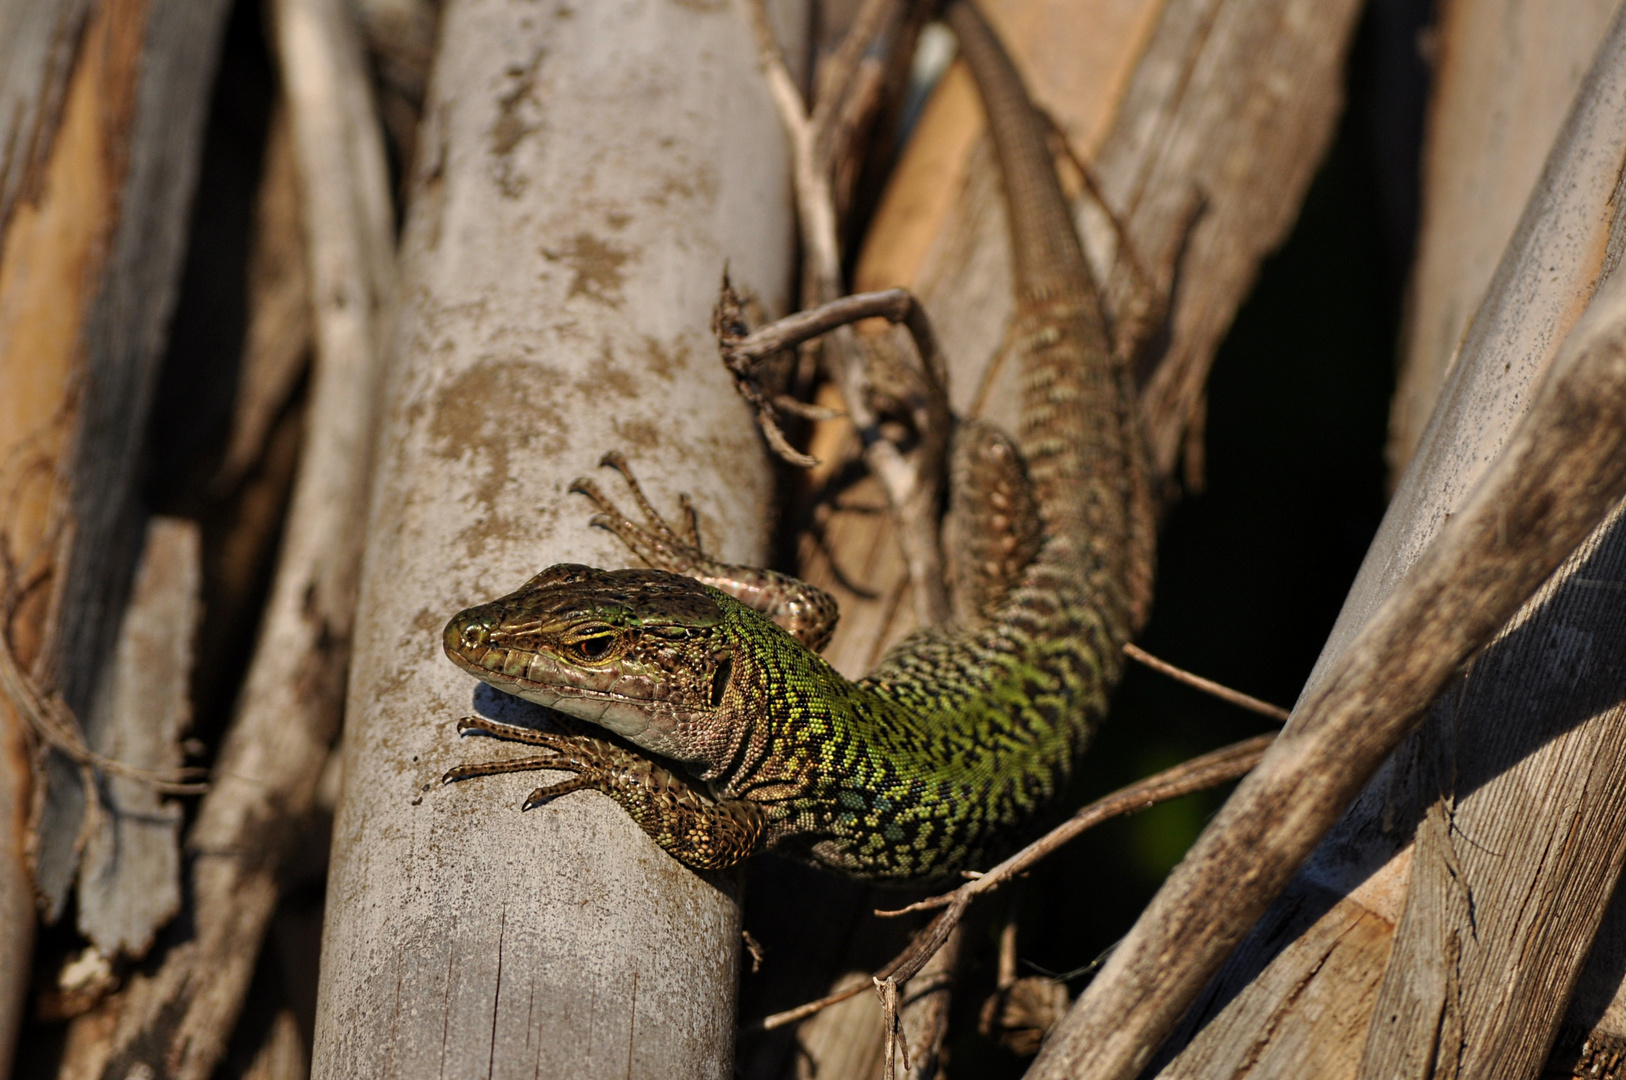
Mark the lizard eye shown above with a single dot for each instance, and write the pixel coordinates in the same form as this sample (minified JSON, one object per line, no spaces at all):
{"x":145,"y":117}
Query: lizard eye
{"x":594,"y":647}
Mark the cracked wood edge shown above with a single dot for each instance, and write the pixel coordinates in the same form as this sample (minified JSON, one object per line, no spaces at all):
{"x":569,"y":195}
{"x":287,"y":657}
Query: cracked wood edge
{"x":1562,"y":470}
{"x":583,"y":174}
{"x":1368,"y":856}
{"x":1505,"y":74}
{"x":176,"y":1019}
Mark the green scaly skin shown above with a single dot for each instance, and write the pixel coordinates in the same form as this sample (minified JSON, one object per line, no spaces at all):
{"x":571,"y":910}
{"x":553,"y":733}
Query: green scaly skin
{"x":964,"y":731}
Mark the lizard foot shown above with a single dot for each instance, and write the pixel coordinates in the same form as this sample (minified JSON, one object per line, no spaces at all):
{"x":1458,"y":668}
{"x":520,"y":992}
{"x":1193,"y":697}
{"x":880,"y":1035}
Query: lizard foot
{"x":655,"y":541}
{"x":700,"y":831}
{"x":806,"y":612}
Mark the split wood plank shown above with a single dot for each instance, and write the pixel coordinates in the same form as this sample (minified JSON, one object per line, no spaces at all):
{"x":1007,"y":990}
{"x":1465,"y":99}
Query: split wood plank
{"x":176,"y":1020}
{"x":1594,"y":132}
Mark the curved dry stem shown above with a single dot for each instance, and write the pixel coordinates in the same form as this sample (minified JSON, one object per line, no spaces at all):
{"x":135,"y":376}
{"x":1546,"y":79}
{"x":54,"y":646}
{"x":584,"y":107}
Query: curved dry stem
{"x":1207,"y":686}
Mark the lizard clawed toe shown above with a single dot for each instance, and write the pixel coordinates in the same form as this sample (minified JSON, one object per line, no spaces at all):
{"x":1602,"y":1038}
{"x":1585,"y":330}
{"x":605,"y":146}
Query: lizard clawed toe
{"x":546,"y":794}
{"x":655,"y":541}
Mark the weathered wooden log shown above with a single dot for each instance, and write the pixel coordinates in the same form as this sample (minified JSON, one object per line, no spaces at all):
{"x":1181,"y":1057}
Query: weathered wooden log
{"x":1505,"y":74}
{"x":1543,"y":283}
{"x":103,"y":115}
{"x":1361,"y":872}
{"x":176,"y":1020}
{"x":582,"y":179}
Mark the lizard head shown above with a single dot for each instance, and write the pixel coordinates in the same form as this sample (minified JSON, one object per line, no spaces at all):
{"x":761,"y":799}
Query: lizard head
{"x":643,"y":653}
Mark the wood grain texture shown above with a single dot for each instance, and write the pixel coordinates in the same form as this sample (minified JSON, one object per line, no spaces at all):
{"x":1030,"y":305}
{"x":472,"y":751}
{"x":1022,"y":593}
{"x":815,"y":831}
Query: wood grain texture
{"x":584,"y":172}
{"x":1510,"y":738}
{"x":144,"y":70}
{"x":175,"y":1018}
{"x":1505,"y":74}
{"x":1559,"y":475}
{"x":1522,"y":769}
{"x":39,"y":260}
{"x":103,"y":107}
{"x":1300,"y":1007}
{"x":37,"y":46}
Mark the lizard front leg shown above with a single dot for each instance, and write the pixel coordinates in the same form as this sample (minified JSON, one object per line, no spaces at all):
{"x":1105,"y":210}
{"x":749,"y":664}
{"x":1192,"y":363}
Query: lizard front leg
{"x":702,"y":832}
{"x":808,"y":613}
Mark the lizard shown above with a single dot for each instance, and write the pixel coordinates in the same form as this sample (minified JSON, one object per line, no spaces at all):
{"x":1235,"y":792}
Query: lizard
{"x":735,"y":736}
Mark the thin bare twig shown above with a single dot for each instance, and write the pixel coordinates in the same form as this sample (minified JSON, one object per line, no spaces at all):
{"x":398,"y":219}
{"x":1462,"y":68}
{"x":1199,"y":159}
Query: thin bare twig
{"x":1207,"y":686}
{"x":911,"y":481}
{"x":887,"y":990}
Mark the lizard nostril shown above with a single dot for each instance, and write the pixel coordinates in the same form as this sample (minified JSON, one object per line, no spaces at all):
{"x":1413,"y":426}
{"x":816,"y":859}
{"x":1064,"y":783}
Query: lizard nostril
{"x":474,"y":636}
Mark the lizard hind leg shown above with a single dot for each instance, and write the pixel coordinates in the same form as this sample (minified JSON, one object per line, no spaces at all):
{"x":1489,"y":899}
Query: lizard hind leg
{"x":993,"y":528}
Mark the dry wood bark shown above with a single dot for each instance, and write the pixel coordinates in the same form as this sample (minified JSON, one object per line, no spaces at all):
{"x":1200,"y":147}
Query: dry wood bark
{"x":584,"y":173}
{"x":1267,"y":991}
{"x":145,"y":70}
{"x":1545,"y":278}
{"x":176,"y":1019}
{"x":102,"y":129}
{"x":1560,"y":474}
{"x":130,"y":881}
{"x":1505,"y":73}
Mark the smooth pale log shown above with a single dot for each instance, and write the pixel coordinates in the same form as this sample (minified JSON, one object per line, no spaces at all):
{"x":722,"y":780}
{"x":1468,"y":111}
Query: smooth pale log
{"x":1505,"y":73}
{"x":176,"y":1020}
{"x":584,"y":173}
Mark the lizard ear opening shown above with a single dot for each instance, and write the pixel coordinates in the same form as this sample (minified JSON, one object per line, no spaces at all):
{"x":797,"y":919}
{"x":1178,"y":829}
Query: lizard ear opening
{"x":719,"y":682}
